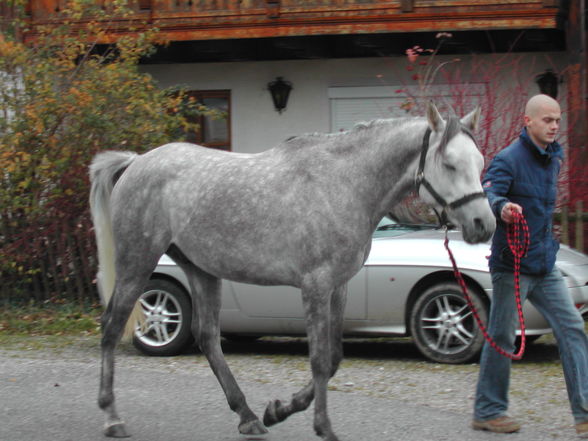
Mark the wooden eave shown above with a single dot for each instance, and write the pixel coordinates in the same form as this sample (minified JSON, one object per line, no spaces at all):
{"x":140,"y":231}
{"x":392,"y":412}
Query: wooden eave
{"x":264,"y":18}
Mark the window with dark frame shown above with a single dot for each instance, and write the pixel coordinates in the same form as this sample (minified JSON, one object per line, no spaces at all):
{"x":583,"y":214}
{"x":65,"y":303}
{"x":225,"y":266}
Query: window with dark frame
{"x":214,"y":130}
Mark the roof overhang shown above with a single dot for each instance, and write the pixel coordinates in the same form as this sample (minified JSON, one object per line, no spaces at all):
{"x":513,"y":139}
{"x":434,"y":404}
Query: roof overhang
{"x":274,"y":18}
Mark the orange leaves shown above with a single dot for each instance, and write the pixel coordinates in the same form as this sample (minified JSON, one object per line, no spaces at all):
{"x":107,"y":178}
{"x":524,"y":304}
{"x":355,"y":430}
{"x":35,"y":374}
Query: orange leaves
{"x":62,"y":101}
{"x":12,"y":161}
{"x":80,"y":98}
{"x":10,"y":49}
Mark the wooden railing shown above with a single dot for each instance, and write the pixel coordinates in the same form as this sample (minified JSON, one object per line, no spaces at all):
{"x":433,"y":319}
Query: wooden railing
{"x":214,"y":19}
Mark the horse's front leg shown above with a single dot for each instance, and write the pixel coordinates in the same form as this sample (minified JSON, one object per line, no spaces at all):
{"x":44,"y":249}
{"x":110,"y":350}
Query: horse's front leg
{"x":317,"y":308}
{"x":206,"y":329}
{"x":276,"y":410}
{"x":338,"y":302}
{"x":317,"y":304}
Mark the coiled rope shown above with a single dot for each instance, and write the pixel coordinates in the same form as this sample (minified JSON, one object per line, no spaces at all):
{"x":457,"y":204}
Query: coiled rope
{"x":518,"y":238}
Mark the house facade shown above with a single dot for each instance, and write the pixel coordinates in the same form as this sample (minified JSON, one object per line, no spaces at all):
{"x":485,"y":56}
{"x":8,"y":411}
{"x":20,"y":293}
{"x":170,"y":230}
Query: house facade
{"x":347,"y":61}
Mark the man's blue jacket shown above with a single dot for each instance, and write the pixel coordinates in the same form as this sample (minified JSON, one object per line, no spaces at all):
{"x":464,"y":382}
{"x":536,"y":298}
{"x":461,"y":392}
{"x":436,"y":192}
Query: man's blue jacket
{"x":526,"y":175}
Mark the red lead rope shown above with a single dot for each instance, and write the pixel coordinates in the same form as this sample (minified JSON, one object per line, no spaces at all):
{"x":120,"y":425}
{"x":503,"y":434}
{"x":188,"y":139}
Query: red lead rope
{"x":518,"y":246}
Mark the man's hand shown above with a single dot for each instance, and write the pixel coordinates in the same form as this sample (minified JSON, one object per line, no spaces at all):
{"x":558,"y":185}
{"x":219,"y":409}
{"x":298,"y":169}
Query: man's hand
{"x":507,"y":212}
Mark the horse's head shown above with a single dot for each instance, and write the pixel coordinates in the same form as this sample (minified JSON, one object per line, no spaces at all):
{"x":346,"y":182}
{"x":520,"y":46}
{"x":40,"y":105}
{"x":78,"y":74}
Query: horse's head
{"x":449,"y":172}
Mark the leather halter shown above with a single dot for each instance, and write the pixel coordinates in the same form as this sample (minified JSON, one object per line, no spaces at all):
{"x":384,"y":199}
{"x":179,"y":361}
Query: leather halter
{"x":421,"y":180}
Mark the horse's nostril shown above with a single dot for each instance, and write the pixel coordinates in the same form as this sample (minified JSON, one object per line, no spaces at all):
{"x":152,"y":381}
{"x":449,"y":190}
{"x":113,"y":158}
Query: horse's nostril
{"x":478,"y":223}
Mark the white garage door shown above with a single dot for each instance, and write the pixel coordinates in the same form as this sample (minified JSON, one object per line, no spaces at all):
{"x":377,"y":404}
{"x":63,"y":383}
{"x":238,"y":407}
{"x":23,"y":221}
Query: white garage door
{"x":350,"y":105}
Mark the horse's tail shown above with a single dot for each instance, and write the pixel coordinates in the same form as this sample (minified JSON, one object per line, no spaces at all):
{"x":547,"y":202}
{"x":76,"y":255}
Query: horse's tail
{"x":105,"y":169}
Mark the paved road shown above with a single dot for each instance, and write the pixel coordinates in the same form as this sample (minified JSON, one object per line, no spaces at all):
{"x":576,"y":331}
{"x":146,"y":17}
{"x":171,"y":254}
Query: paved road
{"x":55,"y":399}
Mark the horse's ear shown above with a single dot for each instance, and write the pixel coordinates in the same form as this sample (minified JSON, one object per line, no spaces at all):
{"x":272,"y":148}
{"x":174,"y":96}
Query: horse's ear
{"x":471,"y":119}
{"x":436,"y":122}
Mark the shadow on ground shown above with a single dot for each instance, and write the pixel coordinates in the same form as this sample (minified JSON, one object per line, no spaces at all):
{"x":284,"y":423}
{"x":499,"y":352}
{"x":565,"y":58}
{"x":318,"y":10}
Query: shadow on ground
{"x":398,"y":349}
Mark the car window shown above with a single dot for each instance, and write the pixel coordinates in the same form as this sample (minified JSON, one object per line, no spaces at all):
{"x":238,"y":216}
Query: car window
{"x":385,"y":222}
{"x":389,"y":227}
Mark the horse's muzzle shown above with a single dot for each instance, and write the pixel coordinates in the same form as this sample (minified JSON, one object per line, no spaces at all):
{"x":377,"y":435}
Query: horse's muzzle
{"x":479,"y":229}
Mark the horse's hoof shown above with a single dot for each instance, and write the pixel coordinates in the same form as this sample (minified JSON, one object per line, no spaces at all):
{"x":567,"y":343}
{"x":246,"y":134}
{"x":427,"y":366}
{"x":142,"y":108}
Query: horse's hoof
{"x":328,"y":437}
{"x":326,"y":434}
{"x":116,"y":430}
{"x":272,"y":414}
{"x":253,"y":427}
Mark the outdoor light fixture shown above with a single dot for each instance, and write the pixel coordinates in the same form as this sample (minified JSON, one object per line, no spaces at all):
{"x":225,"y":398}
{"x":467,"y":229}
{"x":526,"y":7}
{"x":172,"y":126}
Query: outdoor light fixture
{"x":548,"y":82}
{"x":280,"y":91}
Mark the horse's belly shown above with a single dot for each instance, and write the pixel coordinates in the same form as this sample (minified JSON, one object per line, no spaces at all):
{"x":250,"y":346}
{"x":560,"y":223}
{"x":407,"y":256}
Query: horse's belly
{"x":256,"y":273}
{"x":243,"y":261}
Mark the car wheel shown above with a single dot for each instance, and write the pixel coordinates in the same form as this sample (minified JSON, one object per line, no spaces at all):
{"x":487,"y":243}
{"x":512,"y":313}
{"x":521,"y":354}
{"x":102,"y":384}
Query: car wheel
{"x":443,"y":326}
{"x":168,"y":315}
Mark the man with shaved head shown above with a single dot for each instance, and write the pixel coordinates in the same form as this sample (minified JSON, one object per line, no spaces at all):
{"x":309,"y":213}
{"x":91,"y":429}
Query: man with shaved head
{"x":522,"y":178}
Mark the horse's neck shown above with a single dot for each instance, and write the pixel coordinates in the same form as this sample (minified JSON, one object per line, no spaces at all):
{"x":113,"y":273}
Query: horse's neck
{"x":393,"y":165}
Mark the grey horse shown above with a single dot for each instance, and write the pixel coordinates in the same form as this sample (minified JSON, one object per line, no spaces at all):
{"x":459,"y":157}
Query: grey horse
{"x":299,"y":214}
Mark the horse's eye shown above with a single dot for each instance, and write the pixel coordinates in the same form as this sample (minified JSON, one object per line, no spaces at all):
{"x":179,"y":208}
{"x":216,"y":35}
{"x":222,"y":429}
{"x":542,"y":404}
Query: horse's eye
{"x":449,"y":167}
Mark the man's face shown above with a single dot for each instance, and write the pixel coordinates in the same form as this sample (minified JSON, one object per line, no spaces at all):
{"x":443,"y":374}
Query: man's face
{"x":543,"y":124}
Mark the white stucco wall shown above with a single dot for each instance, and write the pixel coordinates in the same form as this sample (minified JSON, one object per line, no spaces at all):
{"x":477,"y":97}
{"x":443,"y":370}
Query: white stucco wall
{"x":256,"y":126}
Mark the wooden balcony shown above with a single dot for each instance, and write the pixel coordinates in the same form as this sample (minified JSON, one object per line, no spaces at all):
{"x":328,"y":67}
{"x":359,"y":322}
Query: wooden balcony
{"x":185,"y":20}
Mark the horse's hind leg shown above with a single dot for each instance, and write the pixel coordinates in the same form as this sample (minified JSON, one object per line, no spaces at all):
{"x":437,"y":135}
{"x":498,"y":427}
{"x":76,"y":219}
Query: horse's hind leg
{"x":126,"y":293}
{"x":206,"y":291}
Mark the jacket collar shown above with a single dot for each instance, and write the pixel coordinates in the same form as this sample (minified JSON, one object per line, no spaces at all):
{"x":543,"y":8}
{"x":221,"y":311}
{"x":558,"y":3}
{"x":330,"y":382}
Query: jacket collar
{"x":544,"y":156}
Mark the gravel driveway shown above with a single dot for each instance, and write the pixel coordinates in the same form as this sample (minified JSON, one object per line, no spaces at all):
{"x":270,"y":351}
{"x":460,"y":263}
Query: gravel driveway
{"x":384,"y":368}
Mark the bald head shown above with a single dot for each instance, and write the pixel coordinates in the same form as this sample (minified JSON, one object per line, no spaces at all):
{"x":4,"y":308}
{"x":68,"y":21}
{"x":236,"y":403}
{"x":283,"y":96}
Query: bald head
{"x":542,"y":118}
{"x":540,"y":103}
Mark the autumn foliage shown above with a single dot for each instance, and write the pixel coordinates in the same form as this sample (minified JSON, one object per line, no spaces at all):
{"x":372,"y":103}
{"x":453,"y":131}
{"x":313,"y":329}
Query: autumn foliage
{"x":62,"y":99}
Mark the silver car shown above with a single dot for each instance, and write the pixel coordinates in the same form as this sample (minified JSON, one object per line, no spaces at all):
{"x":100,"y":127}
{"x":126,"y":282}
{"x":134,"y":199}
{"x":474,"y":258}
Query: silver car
{"x":406,"y":288}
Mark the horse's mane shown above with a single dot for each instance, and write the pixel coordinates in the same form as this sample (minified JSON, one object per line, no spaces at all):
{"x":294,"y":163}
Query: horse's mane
{"x":309,"y":139}
{"x":393,"y":122}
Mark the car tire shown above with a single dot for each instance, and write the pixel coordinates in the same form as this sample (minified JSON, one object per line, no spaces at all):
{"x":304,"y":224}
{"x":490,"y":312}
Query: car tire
{"x":168,"y":316}
{"x":444,"y":328}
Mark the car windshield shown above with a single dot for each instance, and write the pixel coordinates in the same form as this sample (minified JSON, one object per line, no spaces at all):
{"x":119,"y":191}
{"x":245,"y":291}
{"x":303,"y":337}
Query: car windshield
{"x":389,"y":227}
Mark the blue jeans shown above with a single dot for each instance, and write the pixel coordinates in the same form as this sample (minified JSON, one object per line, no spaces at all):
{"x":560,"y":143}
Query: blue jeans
{"x":550,"y":296}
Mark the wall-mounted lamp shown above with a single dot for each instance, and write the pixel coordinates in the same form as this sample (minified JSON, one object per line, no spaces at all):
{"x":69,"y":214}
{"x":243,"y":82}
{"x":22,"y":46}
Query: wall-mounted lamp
{"x":280,"y":91}
{"x":548,"y":83}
